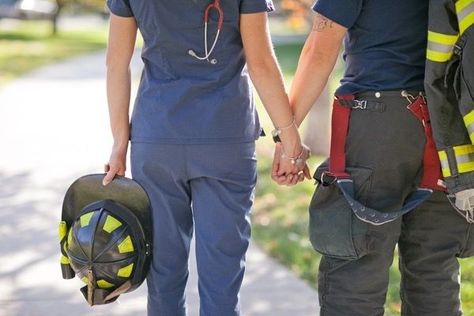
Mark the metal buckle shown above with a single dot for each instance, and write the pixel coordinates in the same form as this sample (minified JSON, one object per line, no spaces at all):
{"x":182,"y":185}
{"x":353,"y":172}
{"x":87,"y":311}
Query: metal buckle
{"x":457,"y":50}
{"x":323,"y":178}
{"x":360,"y":104}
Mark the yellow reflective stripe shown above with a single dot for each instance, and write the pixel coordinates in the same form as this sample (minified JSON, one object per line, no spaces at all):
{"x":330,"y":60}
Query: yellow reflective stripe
{"x":104,"y":284}
{"x":469,"y":118}
{"x":466,"y":22}
{"x":466,"y":167}
{"x":126,"y":245}
{"x":438,"y":56}
{"x":465,"y":13}
{"x":464,"y":158}
{"x":69,"y":237}
{"x":469,"y":122}
{"x":111,"y":224}
{"x":62,"y":230}
{"x":65,"y":260}
{"x":461,"y":4}
{"x":125,"y":272}
{"x":463,"y":150}
{"x":443,"y":157}
{"x":446,"y":172}
{"x":86,"y":218}
{"x":85,"y":280}
{"x":440,"y":38}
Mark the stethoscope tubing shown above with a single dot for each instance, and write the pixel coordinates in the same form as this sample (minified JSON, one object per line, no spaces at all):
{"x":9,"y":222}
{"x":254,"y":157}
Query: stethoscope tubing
{"x":215,"y":5}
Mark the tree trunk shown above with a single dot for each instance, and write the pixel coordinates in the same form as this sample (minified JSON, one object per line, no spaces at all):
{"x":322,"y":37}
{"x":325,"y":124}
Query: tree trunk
{"x":55,"y":17}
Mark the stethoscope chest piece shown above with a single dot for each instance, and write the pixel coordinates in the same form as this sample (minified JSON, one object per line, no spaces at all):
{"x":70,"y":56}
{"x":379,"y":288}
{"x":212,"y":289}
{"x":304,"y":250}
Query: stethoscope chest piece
{"x":215,"y":5}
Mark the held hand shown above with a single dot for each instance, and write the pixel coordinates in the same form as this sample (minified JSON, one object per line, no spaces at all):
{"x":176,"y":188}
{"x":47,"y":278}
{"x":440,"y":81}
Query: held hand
{"x":116,"y":165}
{"x":284,"y":172}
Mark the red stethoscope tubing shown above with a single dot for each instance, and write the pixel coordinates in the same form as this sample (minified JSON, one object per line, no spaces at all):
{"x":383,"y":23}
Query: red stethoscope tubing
{"x":216,"y":5}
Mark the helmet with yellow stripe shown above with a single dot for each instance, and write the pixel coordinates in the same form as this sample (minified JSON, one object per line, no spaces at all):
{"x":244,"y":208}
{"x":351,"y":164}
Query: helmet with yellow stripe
{"x":105,"y":236}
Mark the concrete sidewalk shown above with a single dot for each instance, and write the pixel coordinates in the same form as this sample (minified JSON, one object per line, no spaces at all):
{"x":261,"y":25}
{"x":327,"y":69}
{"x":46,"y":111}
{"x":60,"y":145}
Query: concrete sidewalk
{"x":54,"y":128}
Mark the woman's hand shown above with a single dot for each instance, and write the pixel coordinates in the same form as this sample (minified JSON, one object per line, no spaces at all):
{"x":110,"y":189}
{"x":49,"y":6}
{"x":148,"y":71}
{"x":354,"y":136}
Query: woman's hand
{"x":117,"y":164}
{"x":284,"y":172}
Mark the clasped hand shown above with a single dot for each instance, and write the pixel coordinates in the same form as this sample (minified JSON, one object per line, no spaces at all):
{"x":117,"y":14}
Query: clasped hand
{"x":287,"y":171}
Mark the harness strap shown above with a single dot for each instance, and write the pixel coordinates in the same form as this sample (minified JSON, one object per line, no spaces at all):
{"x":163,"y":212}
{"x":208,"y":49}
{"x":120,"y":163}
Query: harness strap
{"x":431,"y":164}
{"x":340,"y":119}
{"x":337,"y":163}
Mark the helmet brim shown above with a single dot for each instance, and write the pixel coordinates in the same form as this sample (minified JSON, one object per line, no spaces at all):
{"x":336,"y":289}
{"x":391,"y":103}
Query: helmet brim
{"x":89,"y":189}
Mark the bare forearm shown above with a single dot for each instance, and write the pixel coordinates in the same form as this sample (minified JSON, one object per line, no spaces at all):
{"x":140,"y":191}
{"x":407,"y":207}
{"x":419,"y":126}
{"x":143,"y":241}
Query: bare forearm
{"x":314,"y":69}
{"x":316,"y":63}
{"x":118,"y":96}
{"x":122,"y":36}
{"x":267,"y":78}
{"x":268,"y":82}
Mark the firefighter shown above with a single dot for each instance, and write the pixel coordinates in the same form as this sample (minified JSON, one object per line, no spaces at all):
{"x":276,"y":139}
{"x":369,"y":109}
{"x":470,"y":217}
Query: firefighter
{"x":450,"y":93}
{"x":382,"y":185}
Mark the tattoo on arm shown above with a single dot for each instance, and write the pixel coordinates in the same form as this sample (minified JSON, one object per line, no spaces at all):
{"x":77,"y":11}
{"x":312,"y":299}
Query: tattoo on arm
{"x":321,"y":23}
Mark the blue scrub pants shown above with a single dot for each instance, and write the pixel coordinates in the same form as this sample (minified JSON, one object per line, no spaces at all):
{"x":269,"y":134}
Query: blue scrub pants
{"x":209,"y":188}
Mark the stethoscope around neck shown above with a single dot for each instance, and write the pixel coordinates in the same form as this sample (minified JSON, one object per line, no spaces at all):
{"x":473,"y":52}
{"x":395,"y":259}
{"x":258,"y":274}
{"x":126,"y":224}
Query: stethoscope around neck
{"x":215,"y":5}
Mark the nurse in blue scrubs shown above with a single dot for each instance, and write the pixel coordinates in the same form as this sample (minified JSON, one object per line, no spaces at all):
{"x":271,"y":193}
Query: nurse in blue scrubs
{"x":193,"y":132}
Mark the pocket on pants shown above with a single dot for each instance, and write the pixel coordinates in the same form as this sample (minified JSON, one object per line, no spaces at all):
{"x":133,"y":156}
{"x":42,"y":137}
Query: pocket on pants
{"x":334,"y":230}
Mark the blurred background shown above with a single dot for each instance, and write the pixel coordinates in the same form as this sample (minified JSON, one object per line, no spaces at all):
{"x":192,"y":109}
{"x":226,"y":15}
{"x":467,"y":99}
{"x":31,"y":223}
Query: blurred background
{"x":41,"y":144}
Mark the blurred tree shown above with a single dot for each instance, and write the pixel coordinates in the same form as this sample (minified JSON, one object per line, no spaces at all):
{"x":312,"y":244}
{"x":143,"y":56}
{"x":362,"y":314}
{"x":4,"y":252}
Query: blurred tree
{"x":89,"y":5}
{"x":297,"y":12}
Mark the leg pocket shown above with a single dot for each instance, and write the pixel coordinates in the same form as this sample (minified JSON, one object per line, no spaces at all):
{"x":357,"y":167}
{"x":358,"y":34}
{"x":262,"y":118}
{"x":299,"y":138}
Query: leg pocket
{"x":333,"y":228}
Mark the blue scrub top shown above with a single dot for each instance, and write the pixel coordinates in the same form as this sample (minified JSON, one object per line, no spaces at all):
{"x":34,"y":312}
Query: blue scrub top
{"x":385,"y":45}
{"x":182,"y":100}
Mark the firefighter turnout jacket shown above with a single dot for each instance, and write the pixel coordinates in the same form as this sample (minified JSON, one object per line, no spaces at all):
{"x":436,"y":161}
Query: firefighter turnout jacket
{"x":449,"y":85}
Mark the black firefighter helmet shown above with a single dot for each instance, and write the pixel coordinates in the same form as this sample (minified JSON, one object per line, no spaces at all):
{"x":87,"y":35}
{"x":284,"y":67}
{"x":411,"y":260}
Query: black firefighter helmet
{"x":105,"y":235}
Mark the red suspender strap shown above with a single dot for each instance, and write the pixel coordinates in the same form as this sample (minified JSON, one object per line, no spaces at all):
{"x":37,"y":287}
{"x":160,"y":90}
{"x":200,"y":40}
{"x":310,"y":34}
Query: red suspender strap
{"x":339,"y":129}
{"x":431,"y":164}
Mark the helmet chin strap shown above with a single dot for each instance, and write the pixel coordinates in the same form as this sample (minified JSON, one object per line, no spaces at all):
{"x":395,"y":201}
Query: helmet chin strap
{"x":90,"y":287}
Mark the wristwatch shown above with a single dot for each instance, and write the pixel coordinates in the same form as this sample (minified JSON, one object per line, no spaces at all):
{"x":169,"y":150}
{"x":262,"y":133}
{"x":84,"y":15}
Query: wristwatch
{"x":276,"y":136}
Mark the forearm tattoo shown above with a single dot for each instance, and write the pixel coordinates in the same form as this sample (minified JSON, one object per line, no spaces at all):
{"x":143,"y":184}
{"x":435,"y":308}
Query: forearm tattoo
{"x":321,"y":23}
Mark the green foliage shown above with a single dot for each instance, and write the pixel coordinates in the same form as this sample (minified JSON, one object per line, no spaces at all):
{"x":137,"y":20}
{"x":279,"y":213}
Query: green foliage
{"x":31,"y":45}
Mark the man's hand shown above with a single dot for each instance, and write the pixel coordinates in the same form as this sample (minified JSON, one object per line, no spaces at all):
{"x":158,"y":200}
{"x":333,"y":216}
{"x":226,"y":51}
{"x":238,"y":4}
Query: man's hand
{"x":465,"y":200}
{"x":286,"y":173}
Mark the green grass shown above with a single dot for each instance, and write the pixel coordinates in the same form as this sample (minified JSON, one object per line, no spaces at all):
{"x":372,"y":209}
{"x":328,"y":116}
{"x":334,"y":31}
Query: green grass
{"x":280,"y":216}
{"x":30,"y":44}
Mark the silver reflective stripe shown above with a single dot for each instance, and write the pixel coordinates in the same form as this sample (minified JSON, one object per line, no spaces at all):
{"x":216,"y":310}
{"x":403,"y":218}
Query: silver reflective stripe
{"x":444,"y":164}
{"x":470,"y":128}
{"x":466,"y":11}
{"x":442,"y":48}
{"x":465,"y":158}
